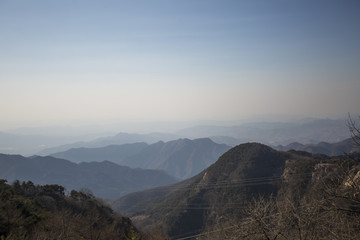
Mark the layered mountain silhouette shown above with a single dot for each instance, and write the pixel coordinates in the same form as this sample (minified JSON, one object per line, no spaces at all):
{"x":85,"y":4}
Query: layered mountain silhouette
{"x":38,"y":141}
{"x":330,"y":149}
{"x":105,"y":179}
{"x":273,"y":133}
{"x":118,"y":139}
{"x":225,"y":189}
{"x":181,"y":158}
{"x":11,"y":143}
{"x":114,"y":153}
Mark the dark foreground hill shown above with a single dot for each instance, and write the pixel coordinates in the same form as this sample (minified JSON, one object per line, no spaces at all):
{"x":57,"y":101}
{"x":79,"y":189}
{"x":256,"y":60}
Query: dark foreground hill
{"x":240,"y":174}
{"x":182,"y":158}
{"x":256,"y":192}
{"x":29,"y":211}
{"x":104,"y":179}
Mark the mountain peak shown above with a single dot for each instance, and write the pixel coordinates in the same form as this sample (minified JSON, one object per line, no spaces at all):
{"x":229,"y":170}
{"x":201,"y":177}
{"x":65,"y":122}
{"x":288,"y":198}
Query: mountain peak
{"x":247,"y":160}
{"x":240,"y":174}
{"x":204,"y":140}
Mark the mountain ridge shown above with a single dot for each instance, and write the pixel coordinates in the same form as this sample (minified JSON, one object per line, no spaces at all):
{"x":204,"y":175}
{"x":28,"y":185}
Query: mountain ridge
{"x":274,"y":133}
{"x":330,"y":149}
{"x":117,"y":139}
{"x":105,"y":179}
{"x":225,"y":191}
{"x":181,"y":158}
{"x":204,"y":191}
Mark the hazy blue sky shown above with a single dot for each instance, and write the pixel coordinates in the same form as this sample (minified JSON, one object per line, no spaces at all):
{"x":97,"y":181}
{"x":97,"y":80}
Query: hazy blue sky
{"x":91,"y":62}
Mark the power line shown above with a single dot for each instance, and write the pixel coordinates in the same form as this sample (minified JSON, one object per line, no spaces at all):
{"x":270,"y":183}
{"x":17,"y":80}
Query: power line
{"x":248,"y":221}
{"x":218,"y":185}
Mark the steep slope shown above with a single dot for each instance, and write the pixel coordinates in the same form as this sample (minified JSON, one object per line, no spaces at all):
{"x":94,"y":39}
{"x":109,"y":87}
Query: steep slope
{"x":223,"y":189}
{"x":181,"y":158}
{"x":105,"y":179}
{"x":256,"y":192}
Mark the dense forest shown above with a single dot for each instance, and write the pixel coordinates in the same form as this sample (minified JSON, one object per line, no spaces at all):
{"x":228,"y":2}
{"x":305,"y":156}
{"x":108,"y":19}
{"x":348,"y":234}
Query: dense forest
{"x":29,"y":211}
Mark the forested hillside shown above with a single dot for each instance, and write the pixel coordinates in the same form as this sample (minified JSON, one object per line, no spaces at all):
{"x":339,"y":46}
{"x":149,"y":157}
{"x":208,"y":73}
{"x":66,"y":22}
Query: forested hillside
{"x":29,"y":211}
{"x":256,"y":192}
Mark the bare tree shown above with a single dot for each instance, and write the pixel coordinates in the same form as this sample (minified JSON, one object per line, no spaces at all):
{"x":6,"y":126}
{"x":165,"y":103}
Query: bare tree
{"x":354,"y":129}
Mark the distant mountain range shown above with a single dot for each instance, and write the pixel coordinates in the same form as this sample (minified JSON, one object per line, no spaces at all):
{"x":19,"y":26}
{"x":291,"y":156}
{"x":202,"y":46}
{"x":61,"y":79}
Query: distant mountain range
{"x":273,"y":133}
{"x":29,"y":144}
{"x":105,"y":179}
{"x":181,"y":158}
{"x":35,"y":141}
{"x":118,"y":139}
{"x":217,"y":199}
{"x":330,"y":149}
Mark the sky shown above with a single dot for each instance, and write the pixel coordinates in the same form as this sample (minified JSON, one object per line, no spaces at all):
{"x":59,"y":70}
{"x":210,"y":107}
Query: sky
{"x":78,"y":62}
